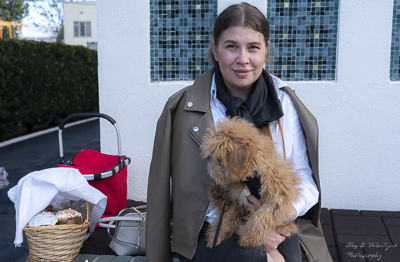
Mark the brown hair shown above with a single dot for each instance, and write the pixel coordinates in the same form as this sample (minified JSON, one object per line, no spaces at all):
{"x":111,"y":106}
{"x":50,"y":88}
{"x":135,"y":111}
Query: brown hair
{"x":242,"y":14}
{"x":267,"y":131}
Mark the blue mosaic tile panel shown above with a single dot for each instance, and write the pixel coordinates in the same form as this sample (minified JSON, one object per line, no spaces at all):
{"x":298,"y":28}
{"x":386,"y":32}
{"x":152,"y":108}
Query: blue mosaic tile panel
{"x":303,"y":39}
{"x":395,"y":49}
{"x":180,"y":36}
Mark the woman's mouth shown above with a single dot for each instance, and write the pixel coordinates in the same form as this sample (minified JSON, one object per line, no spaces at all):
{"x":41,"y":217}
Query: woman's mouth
{"x":241,"y":72}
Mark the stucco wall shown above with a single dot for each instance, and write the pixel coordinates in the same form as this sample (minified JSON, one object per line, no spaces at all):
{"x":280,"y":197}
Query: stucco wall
{"x":358,"y":114}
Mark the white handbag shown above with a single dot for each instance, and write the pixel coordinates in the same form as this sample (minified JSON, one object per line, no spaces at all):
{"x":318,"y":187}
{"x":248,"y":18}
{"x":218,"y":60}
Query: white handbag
{"x":129,"y":226}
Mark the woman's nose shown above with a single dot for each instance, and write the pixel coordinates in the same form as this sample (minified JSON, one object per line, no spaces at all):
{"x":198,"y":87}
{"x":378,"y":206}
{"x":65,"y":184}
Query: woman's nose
{"x":243,"y":57}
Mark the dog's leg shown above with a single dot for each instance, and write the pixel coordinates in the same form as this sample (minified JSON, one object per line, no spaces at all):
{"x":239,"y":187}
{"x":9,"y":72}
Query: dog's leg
{"x":230,"y":223}
{"x":220,"y":195}
{"x":257,"y":228}
{"x":266,"y":219}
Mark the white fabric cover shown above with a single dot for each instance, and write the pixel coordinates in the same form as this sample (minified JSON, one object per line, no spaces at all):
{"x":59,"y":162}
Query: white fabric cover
{"x":35,"y":191}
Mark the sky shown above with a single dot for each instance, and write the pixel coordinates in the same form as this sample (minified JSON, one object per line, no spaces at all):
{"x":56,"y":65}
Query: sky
{"x":29,"y":30}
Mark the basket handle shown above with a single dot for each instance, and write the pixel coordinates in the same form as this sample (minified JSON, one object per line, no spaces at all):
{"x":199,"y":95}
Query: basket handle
{"x":79,"y":116}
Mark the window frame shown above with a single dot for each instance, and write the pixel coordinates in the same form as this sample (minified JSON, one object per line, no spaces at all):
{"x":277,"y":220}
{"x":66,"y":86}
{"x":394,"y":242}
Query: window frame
{"x":82,"y":29}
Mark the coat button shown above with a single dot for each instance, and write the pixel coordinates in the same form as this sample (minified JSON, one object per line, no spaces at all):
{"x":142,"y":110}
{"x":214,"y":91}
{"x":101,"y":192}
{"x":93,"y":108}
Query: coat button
{"x":195,"y":129}
{"x":190,"y":104}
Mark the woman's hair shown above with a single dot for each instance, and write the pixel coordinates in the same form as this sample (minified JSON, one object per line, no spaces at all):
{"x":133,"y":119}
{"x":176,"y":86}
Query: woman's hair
{"x":242,"y":14}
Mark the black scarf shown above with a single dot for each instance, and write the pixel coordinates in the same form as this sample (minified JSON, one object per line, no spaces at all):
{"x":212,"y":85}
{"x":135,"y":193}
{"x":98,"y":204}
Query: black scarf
{"x":261,"y":107}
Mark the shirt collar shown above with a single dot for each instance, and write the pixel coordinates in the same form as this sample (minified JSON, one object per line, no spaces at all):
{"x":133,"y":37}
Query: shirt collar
{"x":278,"y":82}
{"x":213,"y":91}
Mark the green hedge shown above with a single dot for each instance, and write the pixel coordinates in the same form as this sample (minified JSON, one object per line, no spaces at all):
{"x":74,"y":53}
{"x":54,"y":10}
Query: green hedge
{"x":41,"y":83}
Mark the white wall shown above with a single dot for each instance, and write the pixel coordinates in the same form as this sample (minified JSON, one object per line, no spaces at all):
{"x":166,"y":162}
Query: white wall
{"x":358,"y":114}
{"x":79,"y":12}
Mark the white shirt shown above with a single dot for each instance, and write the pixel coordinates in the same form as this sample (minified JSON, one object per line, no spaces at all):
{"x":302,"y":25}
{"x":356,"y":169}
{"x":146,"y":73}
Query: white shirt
{"x":295,"y":145}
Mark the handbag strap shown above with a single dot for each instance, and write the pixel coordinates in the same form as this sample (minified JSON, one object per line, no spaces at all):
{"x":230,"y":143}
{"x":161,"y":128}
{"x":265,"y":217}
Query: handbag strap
{"x":213,"y":259}
{"x":219,"y":226}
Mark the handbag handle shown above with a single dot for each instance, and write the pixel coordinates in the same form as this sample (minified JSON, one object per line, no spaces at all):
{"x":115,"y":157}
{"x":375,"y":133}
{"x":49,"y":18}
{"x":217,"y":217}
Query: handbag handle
{"x":111,"y":225}
{"x":102,"y":221}
{"x":137,"y":245}
{"x":79,"y":116}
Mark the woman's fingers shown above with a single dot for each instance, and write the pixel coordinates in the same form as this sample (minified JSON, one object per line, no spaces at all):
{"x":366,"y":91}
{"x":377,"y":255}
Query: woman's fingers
{"x":253,"y":202}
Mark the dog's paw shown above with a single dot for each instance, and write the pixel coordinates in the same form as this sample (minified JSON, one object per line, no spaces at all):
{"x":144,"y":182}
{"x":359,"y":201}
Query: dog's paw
{"x":218,"y":192}
{"x":245,"y":214}
{"x":210,"y":239}
{"x":217,"y":195}
{"x":291,"y":228}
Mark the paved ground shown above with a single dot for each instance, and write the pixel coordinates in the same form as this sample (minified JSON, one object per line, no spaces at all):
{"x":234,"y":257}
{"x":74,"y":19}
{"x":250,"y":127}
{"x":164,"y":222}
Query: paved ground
{"x":35,"y":154}
{"x":351,"y":235}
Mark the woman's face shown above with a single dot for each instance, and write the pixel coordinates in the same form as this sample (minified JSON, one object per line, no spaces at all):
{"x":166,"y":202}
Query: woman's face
{"x":241,"y":53}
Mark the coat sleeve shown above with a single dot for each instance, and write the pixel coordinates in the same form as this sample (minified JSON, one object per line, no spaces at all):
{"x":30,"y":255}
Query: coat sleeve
{"x":158,"y":247}
{"x":310,"y":127}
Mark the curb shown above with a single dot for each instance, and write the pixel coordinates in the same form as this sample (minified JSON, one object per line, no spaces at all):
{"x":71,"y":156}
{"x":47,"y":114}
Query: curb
{"x":39,"y":133}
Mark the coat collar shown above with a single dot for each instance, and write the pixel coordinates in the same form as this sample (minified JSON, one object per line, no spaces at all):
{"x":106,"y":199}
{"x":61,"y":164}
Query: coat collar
{"x":199,"y":98}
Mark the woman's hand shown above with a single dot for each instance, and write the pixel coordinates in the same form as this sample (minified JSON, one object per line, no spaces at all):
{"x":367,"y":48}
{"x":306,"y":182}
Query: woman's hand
{"x":274,"y":239}
{"x":254,"y":203}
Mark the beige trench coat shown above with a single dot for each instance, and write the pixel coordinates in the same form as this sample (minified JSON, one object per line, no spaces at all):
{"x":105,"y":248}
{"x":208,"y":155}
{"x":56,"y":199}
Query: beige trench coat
{"x":178,"y":179}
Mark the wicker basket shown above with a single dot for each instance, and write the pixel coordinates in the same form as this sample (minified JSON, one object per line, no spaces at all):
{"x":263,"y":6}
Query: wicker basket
{"x":58,"y":242}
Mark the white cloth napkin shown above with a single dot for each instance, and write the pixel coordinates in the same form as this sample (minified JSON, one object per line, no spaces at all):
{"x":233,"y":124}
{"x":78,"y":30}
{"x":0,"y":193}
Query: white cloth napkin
{"x":36,"y":190}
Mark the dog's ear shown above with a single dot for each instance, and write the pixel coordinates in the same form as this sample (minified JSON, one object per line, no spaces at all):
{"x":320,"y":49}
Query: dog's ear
{"x":231,"y":147}
{"x":239,"y":159}
{"x":233,"y":156}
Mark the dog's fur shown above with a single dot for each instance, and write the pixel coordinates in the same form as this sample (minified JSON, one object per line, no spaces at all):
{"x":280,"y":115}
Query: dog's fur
{"x":237,"y":150}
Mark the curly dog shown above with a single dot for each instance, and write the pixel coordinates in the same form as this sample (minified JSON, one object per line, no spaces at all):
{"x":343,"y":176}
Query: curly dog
{"x":237,"y":151}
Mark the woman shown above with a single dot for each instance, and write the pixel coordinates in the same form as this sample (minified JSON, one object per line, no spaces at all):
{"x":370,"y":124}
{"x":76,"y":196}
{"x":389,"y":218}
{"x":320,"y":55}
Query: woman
{"x":178,"y":180}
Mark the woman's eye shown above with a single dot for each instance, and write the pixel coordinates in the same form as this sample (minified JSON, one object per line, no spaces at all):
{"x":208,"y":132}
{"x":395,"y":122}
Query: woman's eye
{"x":231,"y":46}
{"x":254,"y":47}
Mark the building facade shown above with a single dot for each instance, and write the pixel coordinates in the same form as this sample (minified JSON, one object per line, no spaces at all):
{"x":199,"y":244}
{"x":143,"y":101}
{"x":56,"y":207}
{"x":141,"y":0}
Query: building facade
{"x":80,"y":24}
{"x":341,"y":57}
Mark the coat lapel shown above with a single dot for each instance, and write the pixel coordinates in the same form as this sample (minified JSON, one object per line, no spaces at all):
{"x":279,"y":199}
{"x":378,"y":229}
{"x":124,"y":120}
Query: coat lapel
{"x":199,"y":101}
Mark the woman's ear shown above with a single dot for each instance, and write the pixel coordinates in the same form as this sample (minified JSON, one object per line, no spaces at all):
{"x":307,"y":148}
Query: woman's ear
{"x":214,"y":50}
